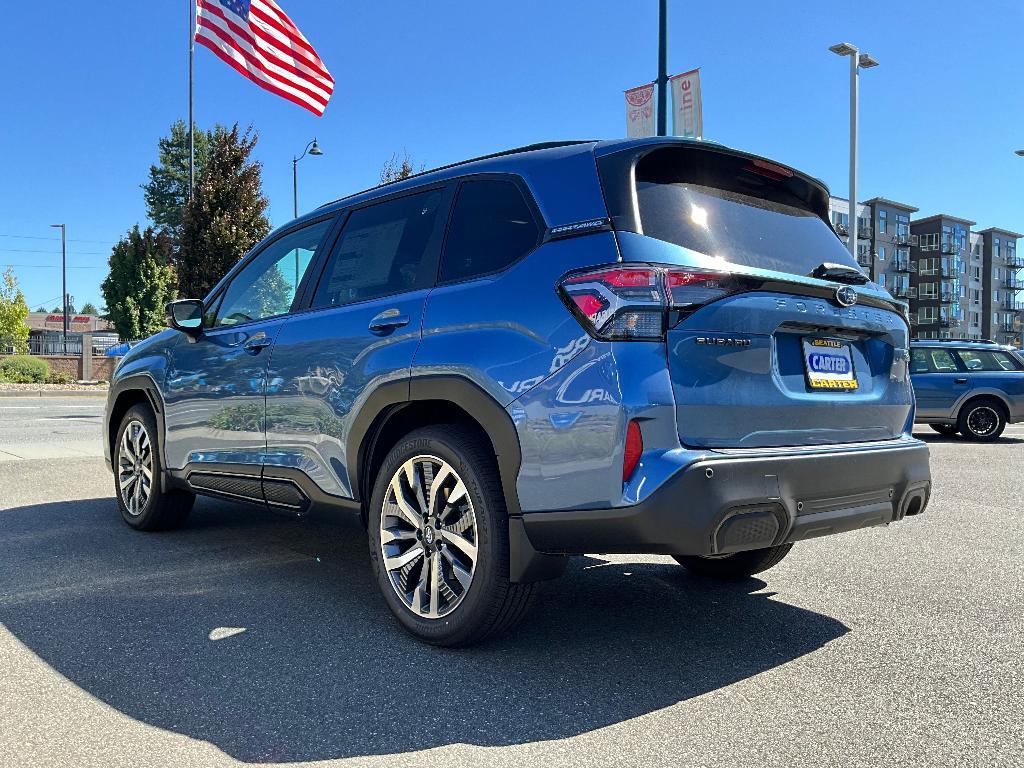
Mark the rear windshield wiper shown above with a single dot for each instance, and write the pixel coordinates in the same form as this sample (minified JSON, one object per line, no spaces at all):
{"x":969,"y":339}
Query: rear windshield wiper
{"x":839,"y":273}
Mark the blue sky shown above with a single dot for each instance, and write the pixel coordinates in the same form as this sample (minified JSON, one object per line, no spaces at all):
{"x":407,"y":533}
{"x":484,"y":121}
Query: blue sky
{"x":89,"y":92}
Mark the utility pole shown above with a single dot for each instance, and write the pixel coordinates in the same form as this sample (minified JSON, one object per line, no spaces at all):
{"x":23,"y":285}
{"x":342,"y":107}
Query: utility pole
{"x":191,"y":120}
{"x":662,"y":67}
{"x":64,"y":281}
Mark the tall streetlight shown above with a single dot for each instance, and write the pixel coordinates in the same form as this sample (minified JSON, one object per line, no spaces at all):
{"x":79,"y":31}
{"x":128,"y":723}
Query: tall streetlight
{"x":313,"y":149}
{"x":64,"y":280}
{"x":858,"y":61}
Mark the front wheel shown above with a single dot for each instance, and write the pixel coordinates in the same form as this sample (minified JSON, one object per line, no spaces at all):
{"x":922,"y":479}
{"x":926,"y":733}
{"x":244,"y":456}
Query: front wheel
{"x":982,"y":420}
{"x":439,"y":539}
{"x":739,"y":565}
{"x":145,"y":503}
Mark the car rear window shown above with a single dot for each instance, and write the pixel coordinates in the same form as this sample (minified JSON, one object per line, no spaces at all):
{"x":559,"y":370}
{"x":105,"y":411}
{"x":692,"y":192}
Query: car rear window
{"x":741,"y":210}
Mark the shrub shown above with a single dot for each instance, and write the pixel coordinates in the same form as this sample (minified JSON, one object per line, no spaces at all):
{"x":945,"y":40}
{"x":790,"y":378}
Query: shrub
{"x":24,"y":369}
{"x":59,"y":377}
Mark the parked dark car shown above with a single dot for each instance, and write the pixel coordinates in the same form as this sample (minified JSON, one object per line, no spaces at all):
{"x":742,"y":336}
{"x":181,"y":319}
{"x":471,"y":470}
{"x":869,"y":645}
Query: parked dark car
{"x":636,"y":346}
{"x":974,"y":388}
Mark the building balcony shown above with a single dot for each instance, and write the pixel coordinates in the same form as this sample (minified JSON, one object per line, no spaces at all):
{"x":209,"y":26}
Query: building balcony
{"x":865,"y":259}
{"x":1013,"y":284}
{"x":904,"y":241}
{"x":1010,"y":328}
{"x":904,"y":292}
{"x":1011,"y":304}
{"x":946,"y":297}
{"x":950,"y":248}
{"x":902,"y":265}
{"x":1015,"y":262}
{"x":863,"y":233}
{"x":842,"y":230}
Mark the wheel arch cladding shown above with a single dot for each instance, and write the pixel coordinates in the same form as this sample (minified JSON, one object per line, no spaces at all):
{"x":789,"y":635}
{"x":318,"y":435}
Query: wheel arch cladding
{"x":397,"y":408}
{"x":125,"y":394}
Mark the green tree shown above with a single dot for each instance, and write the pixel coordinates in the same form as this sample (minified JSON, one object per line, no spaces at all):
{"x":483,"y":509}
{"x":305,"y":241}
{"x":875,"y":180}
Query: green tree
{"x":166,"y":192}
{"x":40,"y":309}
{"x":226,"y":216}
{"x":56,"y":309}
{"x":141,"y":281}
{"x":396,"y":170}
{"x":13,"y":314}
{"x":89,"y":309}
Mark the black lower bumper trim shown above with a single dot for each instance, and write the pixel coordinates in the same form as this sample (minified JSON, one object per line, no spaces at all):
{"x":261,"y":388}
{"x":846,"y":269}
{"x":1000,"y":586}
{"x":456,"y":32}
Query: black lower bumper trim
{"x":733,"y":503}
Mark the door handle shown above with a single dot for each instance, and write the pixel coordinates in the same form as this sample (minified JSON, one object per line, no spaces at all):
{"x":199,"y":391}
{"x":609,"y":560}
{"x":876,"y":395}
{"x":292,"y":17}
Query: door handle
{"x":387,"y":321}
{"x":960,"y":380}
{"x":255,"y":343}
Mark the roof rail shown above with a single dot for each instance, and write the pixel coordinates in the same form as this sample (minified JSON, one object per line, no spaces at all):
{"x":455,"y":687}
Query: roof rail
{"x":503,"y":153}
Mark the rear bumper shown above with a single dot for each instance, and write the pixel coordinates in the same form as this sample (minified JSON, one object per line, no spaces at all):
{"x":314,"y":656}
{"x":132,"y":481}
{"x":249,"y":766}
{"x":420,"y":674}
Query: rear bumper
{"x":734,"y":502}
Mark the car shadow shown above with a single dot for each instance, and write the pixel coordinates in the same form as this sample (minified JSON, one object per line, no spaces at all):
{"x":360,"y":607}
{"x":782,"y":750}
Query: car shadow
{"x":935,"y":437}
{"x":266,"y":636}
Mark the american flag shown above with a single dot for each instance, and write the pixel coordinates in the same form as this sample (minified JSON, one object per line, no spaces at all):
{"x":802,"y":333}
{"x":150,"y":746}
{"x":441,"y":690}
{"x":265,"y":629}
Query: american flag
{"x":259,"y":40}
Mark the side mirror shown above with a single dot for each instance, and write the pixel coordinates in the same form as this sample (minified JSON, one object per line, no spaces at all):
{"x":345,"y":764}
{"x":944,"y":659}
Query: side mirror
{"x":186,"y":315}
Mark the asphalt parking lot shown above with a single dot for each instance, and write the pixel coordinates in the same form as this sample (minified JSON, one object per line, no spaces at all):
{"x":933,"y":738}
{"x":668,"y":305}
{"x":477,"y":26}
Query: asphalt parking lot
{"x":249,"y":637}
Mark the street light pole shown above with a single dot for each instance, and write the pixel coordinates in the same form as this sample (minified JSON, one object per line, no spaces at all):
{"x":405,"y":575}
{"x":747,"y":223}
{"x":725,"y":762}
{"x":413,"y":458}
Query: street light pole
{"x":858,"y":61}
{"x":64,"y":281}
{"x":313,"y":149}
{"x":662,"y":67}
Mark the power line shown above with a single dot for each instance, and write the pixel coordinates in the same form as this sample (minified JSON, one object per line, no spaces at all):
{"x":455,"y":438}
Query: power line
{"x":55,"y":239}
{"x":54,"y":266}
{"x":52,"y":253}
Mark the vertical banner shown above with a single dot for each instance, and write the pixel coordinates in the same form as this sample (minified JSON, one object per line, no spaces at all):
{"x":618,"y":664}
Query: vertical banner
{"x":640,"y":111}
{"x":686,"y":108}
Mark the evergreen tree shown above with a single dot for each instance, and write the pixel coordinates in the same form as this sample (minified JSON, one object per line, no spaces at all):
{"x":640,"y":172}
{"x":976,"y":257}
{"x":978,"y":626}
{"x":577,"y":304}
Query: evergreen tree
{"x":140,"y":283}
{"x":166,"y":192}
{"x":89,"y":309}
{"x":226,"y":215}
{"x":13,"y":314}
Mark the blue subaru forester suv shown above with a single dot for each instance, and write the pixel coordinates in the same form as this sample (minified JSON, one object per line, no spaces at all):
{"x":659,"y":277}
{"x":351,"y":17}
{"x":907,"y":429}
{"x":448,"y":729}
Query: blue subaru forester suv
{"x":634,"y":346}
{"x":971,"y":387}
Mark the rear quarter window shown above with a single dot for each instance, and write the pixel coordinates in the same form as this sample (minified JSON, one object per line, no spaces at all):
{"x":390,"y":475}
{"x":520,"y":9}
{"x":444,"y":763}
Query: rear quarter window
{"x":492,"y":226}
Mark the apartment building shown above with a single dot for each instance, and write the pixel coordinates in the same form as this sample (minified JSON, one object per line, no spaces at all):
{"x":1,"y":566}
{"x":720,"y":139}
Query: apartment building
{"x":959,"y":283}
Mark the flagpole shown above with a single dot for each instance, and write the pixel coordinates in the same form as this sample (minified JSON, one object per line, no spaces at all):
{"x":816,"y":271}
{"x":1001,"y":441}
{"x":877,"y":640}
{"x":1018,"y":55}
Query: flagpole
{"x":191,"y":121}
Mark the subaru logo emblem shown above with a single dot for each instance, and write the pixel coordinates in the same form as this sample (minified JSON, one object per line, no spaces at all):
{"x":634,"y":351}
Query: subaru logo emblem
{"x":846,"y":296}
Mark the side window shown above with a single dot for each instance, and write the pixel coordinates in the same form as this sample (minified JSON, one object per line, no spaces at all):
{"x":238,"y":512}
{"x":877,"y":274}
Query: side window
{"x":986,"y":360}
{"x":382,"y":250}
{"x":491,"y":227}
{"x":932,"y":361}
{"x":266,"y":285}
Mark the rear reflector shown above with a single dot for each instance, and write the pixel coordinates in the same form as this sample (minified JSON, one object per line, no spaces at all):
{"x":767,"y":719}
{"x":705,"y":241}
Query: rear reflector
{"x":639,"y":303}
{"x":634,"y":448}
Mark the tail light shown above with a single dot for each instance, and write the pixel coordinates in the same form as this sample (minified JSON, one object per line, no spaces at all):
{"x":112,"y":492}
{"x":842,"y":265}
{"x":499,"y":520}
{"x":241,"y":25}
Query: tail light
{"x":634,"y":449}
{"x":641,"y":302}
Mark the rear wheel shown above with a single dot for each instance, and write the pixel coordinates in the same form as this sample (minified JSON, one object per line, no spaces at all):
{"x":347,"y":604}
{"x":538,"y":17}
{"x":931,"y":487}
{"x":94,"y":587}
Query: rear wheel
{"x":982,"y":420}
{"x":944,"y":429}
{"x":439,"y":539}
{"x":738,"y":565}
{"x":145,"y":503}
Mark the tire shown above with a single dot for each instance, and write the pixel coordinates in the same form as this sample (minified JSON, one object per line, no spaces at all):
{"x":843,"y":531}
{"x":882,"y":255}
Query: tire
{"x":982,"y":420}
{"x":145,"y":503}
{"x":737,"y":566}
{"x":945,"y":429}
{"x":467,"y":537}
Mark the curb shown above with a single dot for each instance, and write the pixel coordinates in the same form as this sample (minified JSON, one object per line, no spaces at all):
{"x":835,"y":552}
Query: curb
{"x":55,"y":393}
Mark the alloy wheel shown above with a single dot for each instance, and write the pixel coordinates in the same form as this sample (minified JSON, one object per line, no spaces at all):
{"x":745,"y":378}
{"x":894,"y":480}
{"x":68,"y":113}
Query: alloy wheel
{"x":135,"y":467}
{"x":428,"y":536}
{"x":982,"y":420}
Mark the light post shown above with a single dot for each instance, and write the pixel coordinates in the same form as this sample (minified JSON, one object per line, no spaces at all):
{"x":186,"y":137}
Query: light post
{"x":858,"y":61}
{"x":64,"y":281}
{"x":313,"y":149}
